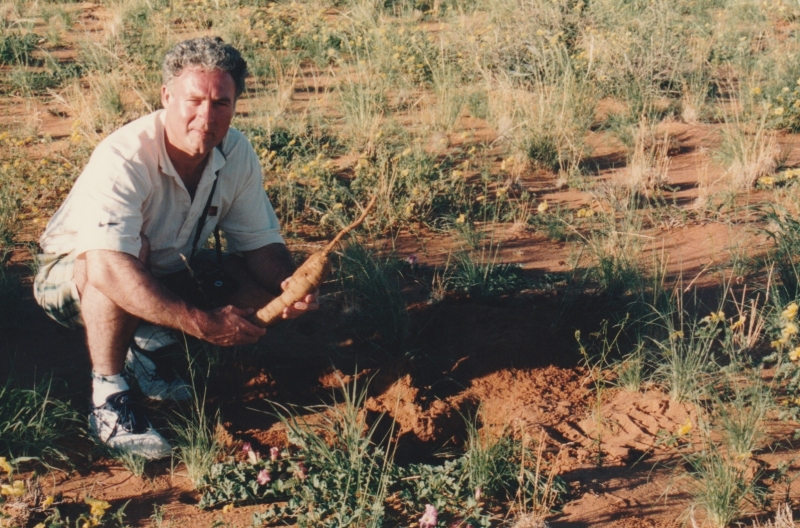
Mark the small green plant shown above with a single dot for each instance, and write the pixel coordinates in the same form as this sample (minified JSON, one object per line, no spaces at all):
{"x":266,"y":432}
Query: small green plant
{"x":783,"y":329}
{"x":720,"y":486}
{"x":686,"y":355}
{"x":254,"y":479}
{"x":784,"y":230}
{"x":555,"y":222}
{"x":631,"y":369}
{"x":197,"y":445}
{"x":16,"y":48}
{"x":371,"y":291}
{"x":158,"y":516}
{"x":596,"y":358}
{"x":134,"y":463}
{"x":741,"y":415}
{"x":484,"y":276}
{"x":34,"y":424}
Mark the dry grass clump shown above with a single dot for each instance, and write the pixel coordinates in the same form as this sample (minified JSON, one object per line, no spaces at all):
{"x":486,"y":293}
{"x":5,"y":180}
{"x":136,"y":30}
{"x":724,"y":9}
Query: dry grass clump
{"x":748,"y":154}
{"x":649,"y":160}
{"x":783,"y":518}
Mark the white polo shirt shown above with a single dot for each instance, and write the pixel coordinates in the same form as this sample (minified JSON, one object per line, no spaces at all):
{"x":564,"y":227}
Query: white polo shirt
{"x":130,"y":187}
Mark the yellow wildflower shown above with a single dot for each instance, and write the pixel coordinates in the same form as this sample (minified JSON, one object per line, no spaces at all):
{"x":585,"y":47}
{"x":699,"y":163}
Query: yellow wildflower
{"x":766,"y":181}
{"x":738,"y":324}
{"x":4,"y":465}
{"x":543,"y":207}
{"x":677,"y":334}
{"x":757,"y":90}
{"x":461,"y":219}
{"x":790,"y":312}
{"x":227,"y":508}
{"x":99,"y":507}
{"x":684,"y":429}
{"x":789,"y":330}
{"x":14,"y":490}
{"x":48,"y":501}
{"x":794,"y":355}
{"x":778,"y":111}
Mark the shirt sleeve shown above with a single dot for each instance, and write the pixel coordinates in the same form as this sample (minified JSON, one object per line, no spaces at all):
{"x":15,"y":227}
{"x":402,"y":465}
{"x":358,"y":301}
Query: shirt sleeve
{"x":112,"y":211}
{"x":250,"y":222}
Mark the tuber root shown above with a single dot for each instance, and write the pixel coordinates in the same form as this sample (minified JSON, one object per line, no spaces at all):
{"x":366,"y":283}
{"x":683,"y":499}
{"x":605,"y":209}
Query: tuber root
{"x":307,"y":279}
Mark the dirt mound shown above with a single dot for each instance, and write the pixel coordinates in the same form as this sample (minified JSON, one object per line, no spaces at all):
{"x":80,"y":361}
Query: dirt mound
{"x":630,"y":424}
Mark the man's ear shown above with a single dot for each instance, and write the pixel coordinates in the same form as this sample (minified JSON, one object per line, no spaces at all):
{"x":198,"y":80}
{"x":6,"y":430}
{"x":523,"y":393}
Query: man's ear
{"x":165,"y":95}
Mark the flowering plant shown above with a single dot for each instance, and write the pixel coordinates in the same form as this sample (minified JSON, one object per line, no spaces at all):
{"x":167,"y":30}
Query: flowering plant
{"x":254,"y":479}
{"x":786,"y":342}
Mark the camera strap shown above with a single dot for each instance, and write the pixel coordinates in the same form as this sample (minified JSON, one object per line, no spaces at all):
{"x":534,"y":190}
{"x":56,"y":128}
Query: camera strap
{"x":203,"y":217}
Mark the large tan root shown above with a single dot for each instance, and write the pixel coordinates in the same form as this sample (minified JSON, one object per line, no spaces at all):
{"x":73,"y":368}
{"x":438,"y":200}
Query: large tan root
{"x":307,"y":279}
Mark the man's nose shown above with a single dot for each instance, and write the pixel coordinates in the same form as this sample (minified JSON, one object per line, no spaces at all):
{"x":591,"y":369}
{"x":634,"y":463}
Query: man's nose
{"x":204,"y":112}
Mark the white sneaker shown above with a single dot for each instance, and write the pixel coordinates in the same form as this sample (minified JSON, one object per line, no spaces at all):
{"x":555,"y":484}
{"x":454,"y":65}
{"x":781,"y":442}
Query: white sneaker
{"x":121,"y":424}
{"x":154,"y":382}
{"x":152,"y":337}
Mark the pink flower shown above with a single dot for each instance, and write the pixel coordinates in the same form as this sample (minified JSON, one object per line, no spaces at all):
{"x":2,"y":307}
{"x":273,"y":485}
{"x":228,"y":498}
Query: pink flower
{"x":253,"y":456}
{"x":246,"y":447}
{"x":302,"y":472}
{"x":274,"y":453}
{"x":263,"y":477}
{"x":428,"y":519}
{"x":411,"y":259}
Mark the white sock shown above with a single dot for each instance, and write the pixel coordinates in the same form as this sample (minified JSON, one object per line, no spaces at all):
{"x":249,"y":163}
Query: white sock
{"x":105,"y":386}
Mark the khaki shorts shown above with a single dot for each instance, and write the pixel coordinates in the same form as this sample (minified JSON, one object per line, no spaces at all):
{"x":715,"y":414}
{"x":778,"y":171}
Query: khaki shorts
{"x":56,"y":292}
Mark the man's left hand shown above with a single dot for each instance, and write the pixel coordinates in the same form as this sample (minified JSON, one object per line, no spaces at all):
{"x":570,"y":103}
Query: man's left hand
{"x":308,"y":303}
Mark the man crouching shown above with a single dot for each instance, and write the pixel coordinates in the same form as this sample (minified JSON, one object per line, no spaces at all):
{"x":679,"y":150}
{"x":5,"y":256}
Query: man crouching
{"x":120,"y":256}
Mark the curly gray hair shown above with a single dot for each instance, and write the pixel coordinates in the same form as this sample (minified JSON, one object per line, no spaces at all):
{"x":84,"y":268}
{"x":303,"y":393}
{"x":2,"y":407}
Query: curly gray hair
{"x":205,"y":53}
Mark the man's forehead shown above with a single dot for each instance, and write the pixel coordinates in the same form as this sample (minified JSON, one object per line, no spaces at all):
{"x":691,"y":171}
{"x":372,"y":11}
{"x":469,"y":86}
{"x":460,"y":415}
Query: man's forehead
{"x":194,"y":79}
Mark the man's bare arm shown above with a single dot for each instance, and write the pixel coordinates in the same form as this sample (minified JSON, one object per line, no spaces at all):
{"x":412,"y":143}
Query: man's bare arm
{"x":124,"y":280}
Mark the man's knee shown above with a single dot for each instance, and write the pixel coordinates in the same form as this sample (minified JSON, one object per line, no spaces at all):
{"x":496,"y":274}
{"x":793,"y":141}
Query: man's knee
{"x":80,"y":277}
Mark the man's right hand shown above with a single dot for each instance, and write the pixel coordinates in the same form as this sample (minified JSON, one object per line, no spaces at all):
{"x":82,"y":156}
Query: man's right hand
{"x":228,"y":326}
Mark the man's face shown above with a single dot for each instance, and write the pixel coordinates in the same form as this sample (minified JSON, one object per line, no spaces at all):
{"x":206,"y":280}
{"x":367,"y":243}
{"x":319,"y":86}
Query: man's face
{"x":199,"y":106}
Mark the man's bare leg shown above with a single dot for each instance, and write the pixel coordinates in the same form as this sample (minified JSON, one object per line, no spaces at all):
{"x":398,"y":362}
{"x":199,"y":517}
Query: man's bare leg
{"x":109,"y":328}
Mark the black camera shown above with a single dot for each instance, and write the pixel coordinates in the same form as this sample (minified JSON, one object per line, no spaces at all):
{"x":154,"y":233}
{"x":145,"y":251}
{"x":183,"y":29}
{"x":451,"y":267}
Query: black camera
{"x":214,"y":284}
